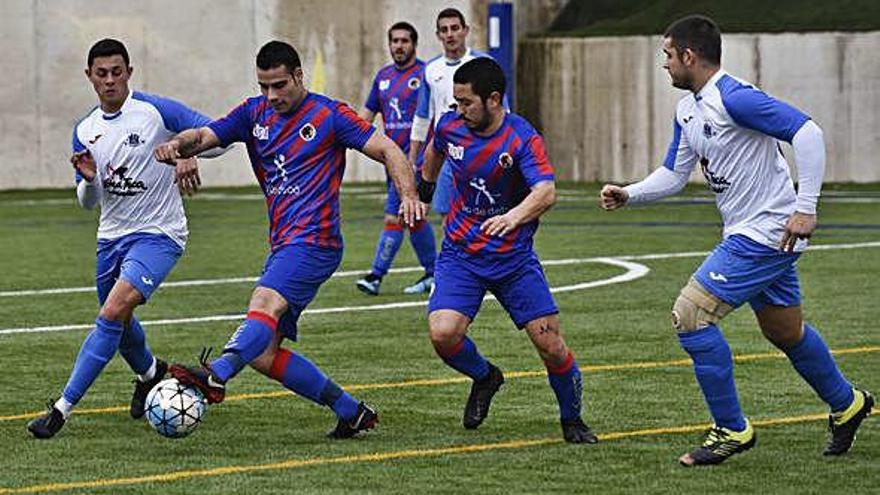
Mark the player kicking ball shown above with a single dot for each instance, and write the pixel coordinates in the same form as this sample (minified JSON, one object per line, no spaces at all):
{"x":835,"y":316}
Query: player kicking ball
{"x":503,"y":182}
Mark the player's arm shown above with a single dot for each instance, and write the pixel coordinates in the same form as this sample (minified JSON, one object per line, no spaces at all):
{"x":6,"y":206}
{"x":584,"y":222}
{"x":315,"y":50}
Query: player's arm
{"x":421,"y":121}
{"x":809,"y":151}
{"x":430,"y":170}
{"x":88,"y":192}
{"x":541,"y":198}
{"x":187,"y":144}
{"x":367,"y":115}
{"x":667,"y":180}
{"x":382,"y":149}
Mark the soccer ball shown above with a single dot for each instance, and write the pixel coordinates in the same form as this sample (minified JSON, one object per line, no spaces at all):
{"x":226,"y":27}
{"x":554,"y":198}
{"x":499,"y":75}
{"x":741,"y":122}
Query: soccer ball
{"x":174,"y":409}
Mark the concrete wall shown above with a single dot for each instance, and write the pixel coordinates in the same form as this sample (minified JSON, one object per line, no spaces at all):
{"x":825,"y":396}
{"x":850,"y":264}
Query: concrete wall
{"x":605,"y":105}
{"x":199,"y":51}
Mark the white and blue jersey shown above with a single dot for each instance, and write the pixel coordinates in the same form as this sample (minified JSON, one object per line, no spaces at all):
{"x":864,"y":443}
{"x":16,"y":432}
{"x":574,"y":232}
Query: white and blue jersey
{"x":733,"y":129}
{"x":138,"y":193}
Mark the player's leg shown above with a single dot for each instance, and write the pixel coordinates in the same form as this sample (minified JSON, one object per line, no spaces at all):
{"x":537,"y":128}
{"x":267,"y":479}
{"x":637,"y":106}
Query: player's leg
{"x":387,"y":246}
{"x":454,"y":303}
{"x":781,"y":320}
{"x":421,"y":236}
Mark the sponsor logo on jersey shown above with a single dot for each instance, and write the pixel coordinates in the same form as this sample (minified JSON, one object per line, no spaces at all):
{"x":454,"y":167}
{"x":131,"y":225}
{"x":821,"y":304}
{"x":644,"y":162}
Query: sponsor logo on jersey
{"x":414,"y":83}
{"x":118,"y":184}
{"x":394,"y":103}
{"x":260,"y":132}
{"x":454,"y":152}
{"x":716,"y":183}
{"x":384,"y":84}
{"x":505,"y":160}
{"x":687,"y":119}
{"x":482,"y":188}
{"x":308,"y":132}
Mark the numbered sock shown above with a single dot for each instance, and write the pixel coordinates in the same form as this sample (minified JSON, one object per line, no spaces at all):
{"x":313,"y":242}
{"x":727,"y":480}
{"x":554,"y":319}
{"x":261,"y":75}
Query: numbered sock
{"x":813,"y":361}
{"x":134,"y":350}
{"x":565,"y":380}
{"x":386,"y":248}
{"x":713,"y":367}
{"x":421,"y":236}
{"x":247,"y":343}
{"x":465,"y":358}
{"x":304,"y":378}
{"x":96,"y":351}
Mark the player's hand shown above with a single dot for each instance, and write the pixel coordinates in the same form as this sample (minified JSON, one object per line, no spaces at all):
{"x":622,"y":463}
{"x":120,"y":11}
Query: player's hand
{"x":186,"y":175}
{"x":411,"y":211}
{"x":799,"y":226}
{"x":612,"y":197}
{"x":168,"y":152}
{"x":500,"y":225}
{"x":84,"y":164}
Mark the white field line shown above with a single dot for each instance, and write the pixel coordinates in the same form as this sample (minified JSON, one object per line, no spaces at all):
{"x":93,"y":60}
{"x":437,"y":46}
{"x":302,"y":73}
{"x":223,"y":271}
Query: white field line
{"x":633,"y":271}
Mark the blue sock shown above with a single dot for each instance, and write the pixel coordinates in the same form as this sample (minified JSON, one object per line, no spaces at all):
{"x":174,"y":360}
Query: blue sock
{"x":812,"y":359}
{"x":134,"y":349}
{"x":466,"y":359}
{"x":713,"y":365}
{"x":566,"y":383}
{"x":422,"y":239}
{"x":245,"y":345}
{"x":301,"y":376}
{"x":96,"y":351}
{"x":386,"y":249}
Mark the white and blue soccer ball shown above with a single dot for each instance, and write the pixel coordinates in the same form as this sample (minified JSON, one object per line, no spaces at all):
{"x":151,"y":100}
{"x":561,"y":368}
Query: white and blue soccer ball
{"x":175,"y":410}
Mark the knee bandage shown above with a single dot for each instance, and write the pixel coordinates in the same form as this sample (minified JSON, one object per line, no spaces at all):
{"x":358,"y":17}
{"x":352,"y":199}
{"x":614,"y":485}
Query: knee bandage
{"x":696,"y":308}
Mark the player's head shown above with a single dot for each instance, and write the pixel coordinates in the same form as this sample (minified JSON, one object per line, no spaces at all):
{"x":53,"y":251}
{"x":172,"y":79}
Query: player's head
{"x":691,"y":44}
{"x":478,"y":88}
{"x":402,"y":41}
{"x":452,"y":31}
{"x":109,"y":70}
{"x":280,"y":75}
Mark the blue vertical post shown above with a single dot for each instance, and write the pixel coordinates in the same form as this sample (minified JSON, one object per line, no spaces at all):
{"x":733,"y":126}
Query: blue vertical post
{"x":502,"y":42}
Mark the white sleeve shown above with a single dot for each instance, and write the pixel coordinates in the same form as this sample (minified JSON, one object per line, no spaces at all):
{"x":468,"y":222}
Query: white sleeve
{"x":809,"y":152}
{"x":88,"y":194}
{"x":420,"y":128}
{"x":661,"y":183}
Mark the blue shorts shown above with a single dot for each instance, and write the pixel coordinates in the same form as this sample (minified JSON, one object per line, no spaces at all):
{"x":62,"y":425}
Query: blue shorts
{"x":517,"y":281}
{"x":143,"y":260}
{"x":443,"y":193}
{"x":740,"y":270}
{"x":296,"y":271}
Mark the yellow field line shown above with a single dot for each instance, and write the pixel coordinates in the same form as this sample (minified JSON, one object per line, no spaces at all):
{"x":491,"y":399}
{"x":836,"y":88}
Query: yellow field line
{"x":377,"y":457}
{"x":448,"y":381}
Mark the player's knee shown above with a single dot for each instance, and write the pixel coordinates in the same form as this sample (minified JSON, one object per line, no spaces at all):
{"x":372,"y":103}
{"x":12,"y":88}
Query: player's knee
{"x":116,"y":310}
{"x":697,"y":308}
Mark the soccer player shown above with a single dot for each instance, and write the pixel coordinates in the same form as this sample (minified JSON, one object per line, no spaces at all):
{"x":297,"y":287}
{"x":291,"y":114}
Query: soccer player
{"x":435,"y":95}
{"x":394,"y":94}
{"x":142,"y":230}
{"x":296,"y":141}
{"x":503,"y":182}
{"x":732,"y":130}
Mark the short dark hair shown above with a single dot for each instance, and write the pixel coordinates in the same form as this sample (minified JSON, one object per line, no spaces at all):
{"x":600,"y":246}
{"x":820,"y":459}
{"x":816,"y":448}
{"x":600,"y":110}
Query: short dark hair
{"x":108,"y":47}
{"x":700,"y":34}
{"x":277,"y":53}
{"x":405,"y":26}
{"x":449,"y":13}
{"x":484,"y":75}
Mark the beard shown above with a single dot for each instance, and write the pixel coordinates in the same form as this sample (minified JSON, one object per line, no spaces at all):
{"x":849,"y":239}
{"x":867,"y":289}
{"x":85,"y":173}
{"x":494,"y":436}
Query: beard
{"x":480,"y":125}
{"x":403,"y":58}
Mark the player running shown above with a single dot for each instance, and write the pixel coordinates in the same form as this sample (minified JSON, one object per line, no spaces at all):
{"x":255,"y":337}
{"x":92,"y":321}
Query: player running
{"x":502,"y":183}
{"x":732,"y":130}
{"x":394,"y":94}
{"x":296,"y":141}
{"x":142,"y":231}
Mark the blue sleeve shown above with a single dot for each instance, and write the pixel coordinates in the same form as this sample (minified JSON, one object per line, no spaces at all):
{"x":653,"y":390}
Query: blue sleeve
{"x":234,"y":127}
{"x":753,"y":109}
{"x":533,"y":162}
{"x":176,"y":116}
{"x":372,"y":104}
{"x":423,"y":107}
{"x":76,"y":144}
{"x":351,"y":131}
{"x":672,"y":152}
{"x":439,"y":138}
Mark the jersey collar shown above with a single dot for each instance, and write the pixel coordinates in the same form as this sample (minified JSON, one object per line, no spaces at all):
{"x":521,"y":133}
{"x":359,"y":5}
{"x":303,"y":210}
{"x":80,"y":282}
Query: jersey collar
{"x":710,"y":84}
{"x":111,"y":116}
{"x":453,"y":62}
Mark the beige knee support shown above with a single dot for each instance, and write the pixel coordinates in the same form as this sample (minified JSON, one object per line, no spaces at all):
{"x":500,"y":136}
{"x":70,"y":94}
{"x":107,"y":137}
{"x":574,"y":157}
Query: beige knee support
{"x":696,"y":308}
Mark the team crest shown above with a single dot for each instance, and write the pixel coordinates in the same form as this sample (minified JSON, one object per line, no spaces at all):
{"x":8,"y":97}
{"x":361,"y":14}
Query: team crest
{"x":307,"y":132}
{"x":505,"y":160}
{"x":708,"y":130}
{"x":414,"y":83}
{"x":133,"y":140}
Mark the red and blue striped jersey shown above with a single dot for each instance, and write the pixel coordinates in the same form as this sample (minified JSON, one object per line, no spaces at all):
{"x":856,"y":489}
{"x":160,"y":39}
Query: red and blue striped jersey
{"x":394,"y":94}
{"x":490,"y":176}
{"x":298,"y":159}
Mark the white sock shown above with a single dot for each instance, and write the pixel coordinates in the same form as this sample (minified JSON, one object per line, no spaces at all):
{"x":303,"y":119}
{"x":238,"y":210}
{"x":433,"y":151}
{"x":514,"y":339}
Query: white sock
{"x":151,"y":372}
{"x":65,"y":407}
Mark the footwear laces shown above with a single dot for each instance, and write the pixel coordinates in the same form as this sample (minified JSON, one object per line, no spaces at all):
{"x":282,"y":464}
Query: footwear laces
{"x":205,"y":356}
